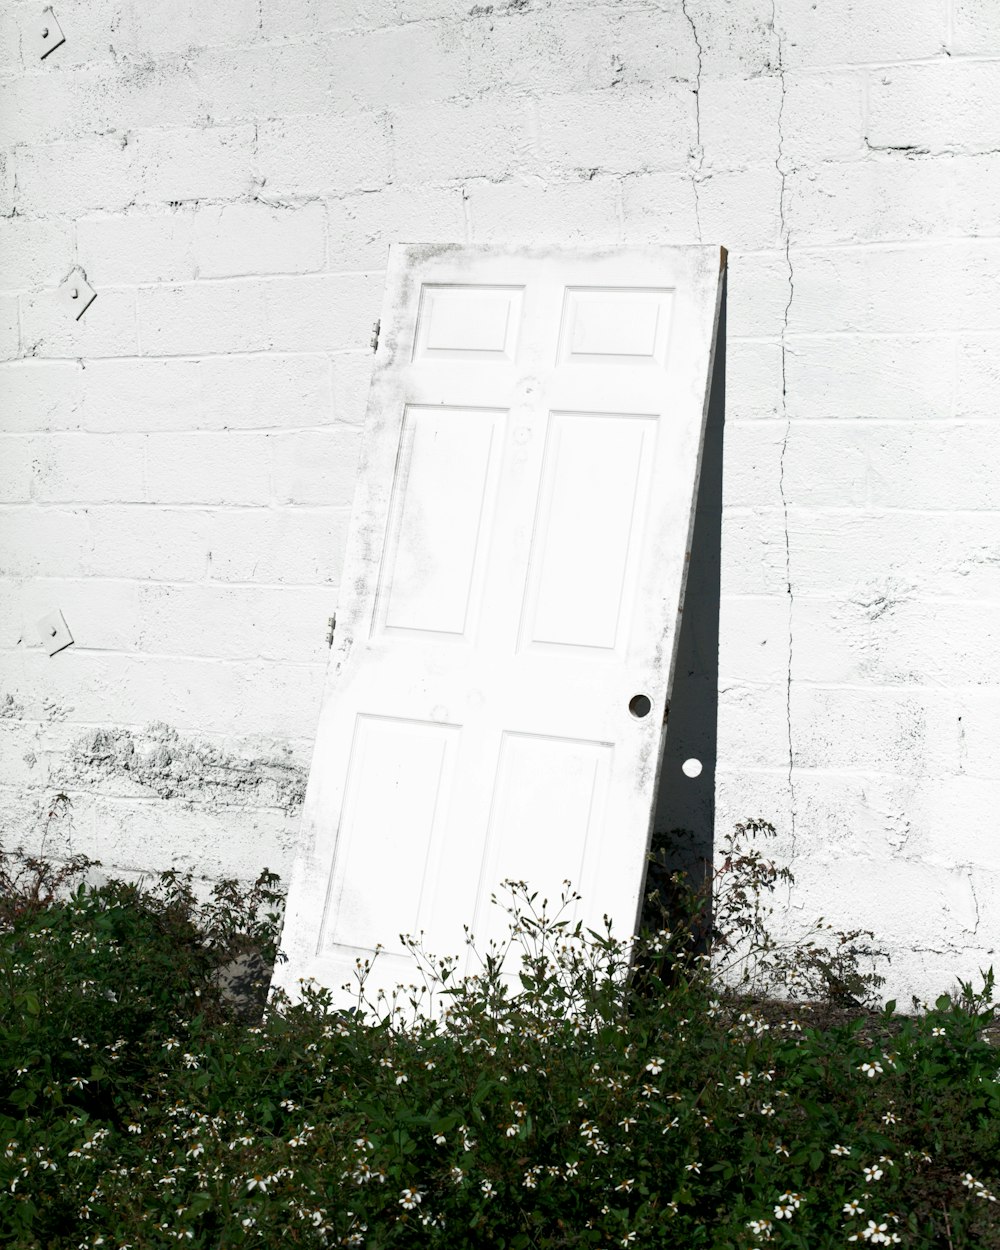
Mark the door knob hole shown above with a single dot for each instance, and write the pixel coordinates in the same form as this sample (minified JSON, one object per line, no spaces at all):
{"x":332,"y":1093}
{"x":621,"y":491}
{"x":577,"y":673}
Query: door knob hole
{"x":639,"y":705}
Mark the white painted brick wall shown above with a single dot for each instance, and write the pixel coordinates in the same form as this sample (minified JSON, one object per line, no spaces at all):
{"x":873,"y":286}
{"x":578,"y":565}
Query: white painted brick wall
{"x":176,"y":469}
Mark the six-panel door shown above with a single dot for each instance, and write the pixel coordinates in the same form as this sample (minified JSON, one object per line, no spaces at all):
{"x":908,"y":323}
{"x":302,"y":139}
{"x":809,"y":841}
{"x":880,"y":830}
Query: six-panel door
{"x":494,"y":707}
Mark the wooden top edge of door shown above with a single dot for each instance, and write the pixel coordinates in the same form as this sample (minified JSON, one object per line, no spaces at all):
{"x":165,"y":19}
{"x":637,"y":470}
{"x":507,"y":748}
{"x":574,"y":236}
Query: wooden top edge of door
{"x":431,"y":251}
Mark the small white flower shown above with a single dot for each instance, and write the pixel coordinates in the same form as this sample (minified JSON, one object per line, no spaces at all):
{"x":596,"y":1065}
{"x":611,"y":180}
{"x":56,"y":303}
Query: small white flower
{"x":839,"y":1150}
{"x":410,"y":1198}
{"x":874,"y":1173}
{"x":693,"y":1167}
{"x":938,"y":1032}
{"x":871,"y":1069}
{"x":655,"y":1066}
{"x":783,"y":1211}
{"x":853,"y":1207}
{"x":744,"y":1078}
{"x":877,"y":1233}
{"x":439,"y":1139}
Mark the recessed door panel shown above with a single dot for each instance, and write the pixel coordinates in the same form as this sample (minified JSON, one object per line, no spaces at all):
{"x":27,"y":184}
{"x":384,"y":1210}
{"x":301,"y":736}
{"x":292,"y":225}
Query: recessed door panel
{"x":549,"y":797}
{"x":467,"y":321}
{"x":443,"y":502}
{"x":600,"y":326}
{"x":398,"y":788}
{"x":589,"y":527}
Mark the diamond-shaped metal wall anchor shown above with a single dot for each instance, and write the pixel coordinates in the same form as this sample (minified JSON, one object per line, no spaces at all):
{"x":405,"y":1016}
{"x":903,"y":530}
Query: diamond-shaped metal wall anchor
{"x":48,"y":33}
{"x":54,"y":632}
{"x":77,"y":294}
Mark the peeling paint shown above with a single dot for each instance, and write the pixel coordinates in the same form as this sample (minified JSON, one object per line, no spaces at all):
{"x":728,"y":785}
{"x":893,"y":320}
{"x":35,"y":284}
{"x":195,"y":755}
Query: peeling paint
{"x":10,"y":709}
{"x":160,"y":760}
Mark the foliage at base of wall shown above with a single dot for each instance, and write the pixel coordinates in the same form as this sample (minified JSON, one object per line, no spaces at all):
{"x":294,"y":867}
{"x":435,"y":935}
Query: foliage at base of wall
{"x":622,"y":1097}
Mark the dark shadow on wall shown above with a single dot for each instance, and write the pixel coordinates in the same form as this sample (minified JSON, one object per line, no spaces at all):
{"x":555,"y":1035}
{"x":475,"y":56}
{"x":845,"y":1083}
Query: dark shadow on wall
{"x":692,"y":731}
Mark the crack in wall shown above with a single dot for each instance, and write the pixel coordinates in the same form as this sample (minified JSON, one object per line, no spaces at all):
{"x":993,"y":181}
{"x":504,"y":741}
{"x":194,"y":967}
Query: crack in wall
{"x":786,"y":237}
{"x":975,"y":906}
{"x":699,"y":151}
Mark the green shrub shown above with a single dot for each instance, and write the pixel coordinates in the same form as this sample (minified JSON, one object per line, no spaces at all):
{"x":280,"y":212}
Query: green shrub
{"x":622,"y":1096}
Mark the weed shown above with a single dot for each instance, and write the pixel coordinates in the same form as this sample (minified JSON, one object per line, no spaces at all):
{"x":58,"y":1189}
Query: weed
{"x":580,"y":1091}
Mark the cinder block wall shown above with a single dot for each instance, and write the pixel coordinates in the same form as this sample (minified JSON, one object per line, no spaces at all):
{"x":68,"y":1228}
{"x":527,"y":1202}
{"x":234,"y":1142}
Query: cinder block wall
{"x":176,"y":468}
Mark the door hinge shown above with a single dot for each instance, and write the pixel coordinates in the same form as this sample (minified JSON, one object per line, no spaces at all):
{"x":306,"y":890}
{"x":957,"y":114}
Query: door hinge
{"x":331,"y":626}
{"x":375,"y":333}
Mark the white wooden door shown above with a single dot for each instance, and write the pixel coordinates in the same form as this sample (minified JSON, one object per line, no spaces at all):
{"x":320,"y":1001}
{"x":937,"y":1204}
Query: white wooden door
{"x":508,"y":613}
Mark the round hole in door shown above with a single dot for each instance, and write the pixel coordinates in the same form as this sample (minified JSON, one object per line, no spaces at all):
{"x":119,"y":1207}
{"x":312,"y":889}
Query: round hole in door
{"x":639,"y":705}
{"x":691,"y":768}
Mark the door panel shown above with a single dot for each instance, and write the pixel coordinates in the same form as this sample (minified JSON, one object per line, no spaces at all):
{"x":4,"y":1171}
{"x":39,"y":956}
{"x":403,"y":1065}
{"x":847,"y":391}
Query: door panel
{"x":591,"y":512}
{"x":548,"y":802}
{"x":441,"y":518}
{"x":395,"y":805}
